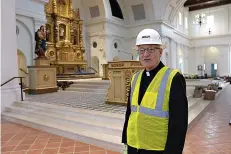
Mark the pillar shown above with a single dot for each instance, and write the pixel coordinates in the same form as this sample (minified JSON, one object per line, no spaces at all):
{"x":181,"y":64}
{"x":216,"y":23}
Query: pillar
{"x":173,"y":53}
{"x":186,"y":60}
{"x":10,"y":92}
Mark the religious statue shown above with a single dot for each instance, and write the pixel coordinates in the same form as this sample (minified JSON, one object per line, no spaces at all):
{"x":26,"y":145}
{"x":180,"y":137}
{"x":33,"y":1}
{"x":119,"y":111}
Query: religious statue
{"x":62,"y":32}
{"x":40,"y":38}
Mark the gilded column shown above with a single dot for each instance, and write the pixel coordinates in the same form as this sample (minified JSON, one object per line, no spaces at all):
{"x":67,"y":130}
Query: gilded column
{"x":54,"y":3}
{"x":70,"y":9}
{"x":81,"y":33}
{"x":54,"y":17}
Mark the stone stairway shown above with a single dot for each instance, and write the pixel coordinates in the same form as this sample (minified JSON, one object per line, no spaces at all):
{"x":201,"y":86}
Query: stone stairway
{"x":93,"y":127}
{"x":88,"y":119}
{"x":92,"y":86}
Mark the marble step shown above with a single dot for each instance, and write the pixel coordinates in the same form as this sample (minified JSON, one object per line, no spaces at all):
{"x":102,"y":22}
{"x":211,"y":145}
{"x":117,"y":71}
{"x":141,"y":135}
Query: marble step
{"x":100,"y":127}
{"x":89,"y":86}
{"x":91,"y":83}
{"x":101,"y":91}
{"x":110,"y":142}
{"x":192,"y":102}
{"x":88,"y":115}
{"x":86,"y":90}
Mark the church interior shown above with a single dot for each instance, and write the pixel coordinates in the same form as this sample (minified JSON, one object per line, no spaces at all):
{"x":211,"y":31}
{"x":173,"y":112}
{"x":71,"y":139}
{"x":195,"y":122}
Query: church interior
{"x":66,"y":67}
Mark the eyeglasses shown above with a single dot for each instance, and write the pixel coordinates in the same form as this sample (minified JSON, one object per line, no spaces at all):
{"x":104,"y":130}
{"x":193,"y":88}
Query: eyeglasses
{"x":149,"y":50}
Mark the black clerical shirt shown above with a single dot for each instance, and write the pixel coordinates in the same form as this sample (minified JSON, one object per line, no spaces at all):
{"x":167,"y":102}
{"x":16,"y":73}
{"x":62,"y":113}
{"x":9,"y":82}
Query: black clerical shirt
{"x":178,"y":113}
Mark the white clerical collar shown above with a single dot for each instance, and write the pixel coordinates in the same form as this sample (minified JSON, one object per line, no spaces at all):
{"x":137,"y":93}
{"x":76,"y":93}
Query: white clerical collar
{"x":147,"y":73}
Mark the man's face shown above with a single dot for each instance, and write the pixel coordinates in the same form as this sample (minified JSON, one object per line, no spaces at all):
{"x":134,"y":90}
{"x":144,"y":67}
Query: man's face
{"x":149,"y":55}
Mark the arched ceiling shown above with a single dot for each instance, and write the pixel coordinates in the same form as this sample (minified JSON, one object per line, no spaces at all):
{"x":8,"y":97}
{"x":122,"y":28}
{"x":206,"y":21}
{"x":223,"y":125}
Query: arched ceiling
{"x":155,"y":10}
{"x":171,"y":9}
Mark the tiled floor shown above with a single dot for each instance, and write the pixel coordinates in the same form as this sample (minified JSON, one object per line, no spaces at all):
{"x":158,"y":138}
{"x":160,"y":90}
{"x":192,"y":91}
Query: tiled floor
{"x":18,"y":139}
{"x":211,"y":134}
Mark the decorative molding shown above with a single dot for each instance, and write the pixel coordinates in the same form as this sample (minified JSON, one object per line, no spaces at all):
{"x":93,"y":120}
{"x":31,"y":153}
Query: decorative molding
{"x":35,"y":15}
{"x":210,"y":37}
{"x":42,"y":1}
{"x":31,"y":36}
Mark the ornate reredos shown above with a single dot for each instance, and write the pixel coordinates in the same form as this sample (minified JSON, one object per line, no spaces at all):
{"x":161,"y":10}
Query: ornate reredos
{"x":64,"y":33}
{"x":61,"y":8}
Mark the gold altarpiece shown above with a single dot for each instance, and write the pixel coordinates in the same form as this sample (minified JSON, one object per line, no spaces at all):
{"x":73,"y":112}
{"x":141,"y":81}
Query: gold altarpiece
{"x":64,"y":29}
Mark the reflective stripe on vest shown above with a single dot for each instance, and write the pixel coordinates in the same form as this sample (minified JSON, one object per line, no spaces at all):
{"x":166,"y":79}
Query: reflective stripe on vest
{"x":158,"y":112}
{"x":133,"y":84}
{"x":148,"y":122}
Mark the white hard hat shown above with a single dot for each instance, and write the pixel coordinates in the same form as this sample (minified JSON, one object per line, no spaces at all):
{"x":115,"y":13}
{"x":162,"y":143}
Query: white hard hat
{"x":149,"y":36}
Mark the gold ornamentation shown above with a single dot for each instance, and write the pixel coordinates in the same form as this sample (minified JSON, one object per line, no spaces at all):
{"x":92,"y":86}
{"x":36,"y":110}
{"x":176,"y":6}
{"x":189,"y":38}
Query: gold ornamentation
{"x":66,"y":34}
{"x":117,"y":65}
{"x":52,"y":53}
{"x":62,"y":2}
{"x":136,"y":64}
{"x":127,"y":83}
{"x":110,"y":79}
{"x":45,"y":77}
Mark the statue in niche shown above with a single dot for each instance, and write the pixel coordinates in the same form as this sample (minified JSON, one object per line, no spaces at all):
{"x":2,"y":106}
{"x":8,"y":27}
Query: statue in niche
{"x":62,"y":32}
{"x":40,"y":38}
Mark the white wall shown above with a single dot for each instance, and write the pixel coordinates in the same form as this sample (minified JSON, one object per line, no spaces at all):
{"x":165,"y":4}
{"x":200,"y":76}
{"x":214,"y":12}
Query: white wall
{"x":173,"y":53}
{"x":212,"y":40}
{"x":192,"y":61}
{"x":221,"y":22}
{"x":30,"y":15}
{"x":212,"y":54}
{"x":25,"y":40}
{"x":197,"y":37}
{"x":31,"y":8}
{"x":202,"y":44}
{"x":229,"y":19}
{"x":9,"y":66}
{"x":149,"y":12}
{"x":99,"y":51}
{"x":165,"y":58}
{"x":89,"y":3}
{"x":230,"y":59}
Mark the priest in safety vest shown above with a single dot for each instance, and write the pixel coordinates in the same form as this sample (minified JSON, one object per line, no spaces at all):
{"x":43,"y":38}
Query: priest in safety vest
{"x":156,"y":119}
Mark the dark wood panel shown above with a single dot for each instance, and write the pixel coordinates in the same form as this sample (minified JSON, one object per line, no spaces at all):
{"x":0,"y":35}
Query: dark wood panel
{"x":203,"y":4}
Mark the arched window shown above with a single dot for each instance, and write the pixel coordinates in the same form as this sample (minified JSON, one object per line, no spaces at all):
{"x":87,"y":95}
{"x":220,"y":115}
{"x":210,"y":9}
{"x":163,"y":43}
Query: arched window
{"x":115,"y":9}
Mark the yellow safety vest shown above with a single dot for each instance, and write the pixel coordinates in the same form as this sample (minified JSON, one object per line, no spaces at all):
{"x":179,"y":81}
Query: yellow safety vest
{"x":148,"y":123}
